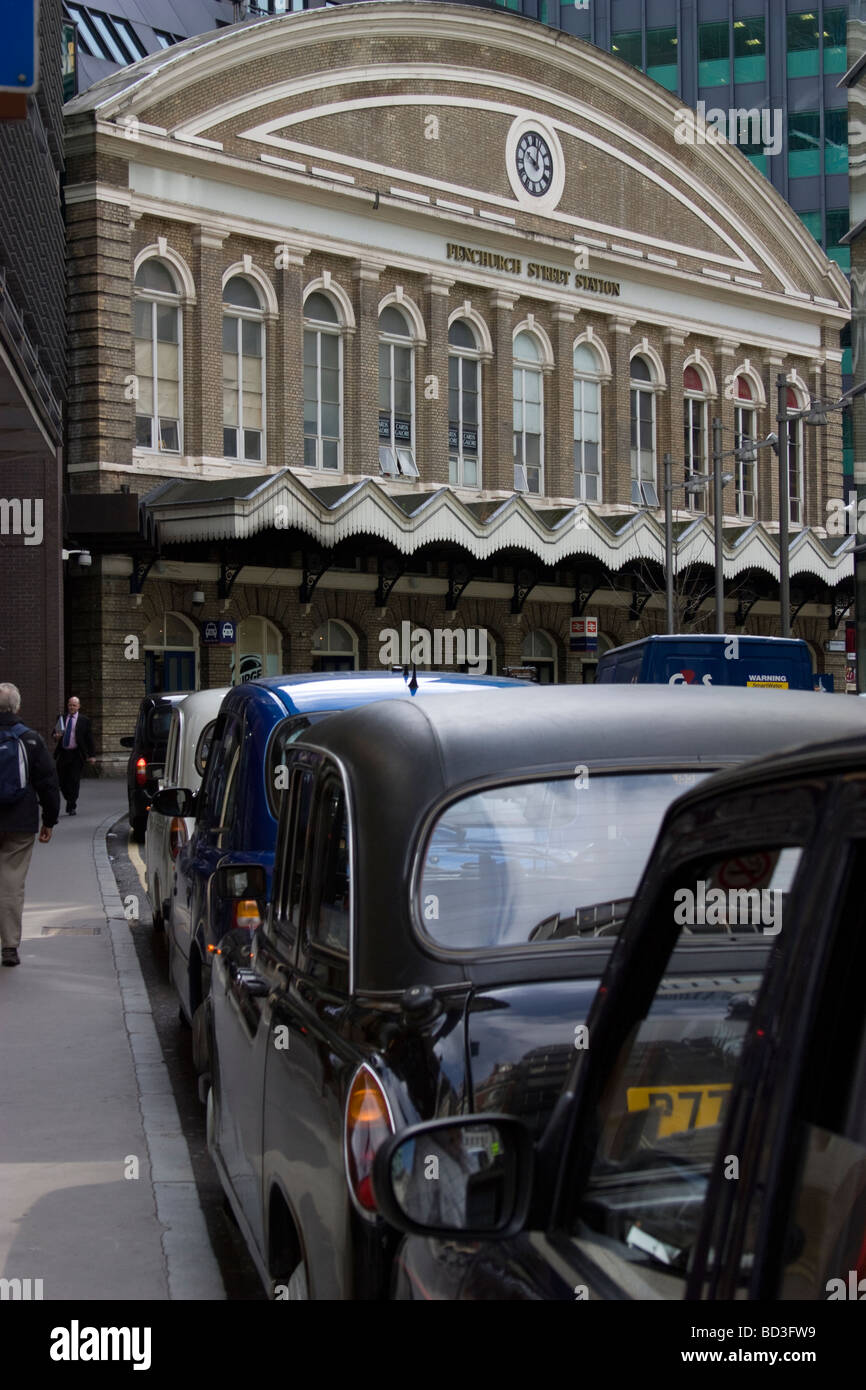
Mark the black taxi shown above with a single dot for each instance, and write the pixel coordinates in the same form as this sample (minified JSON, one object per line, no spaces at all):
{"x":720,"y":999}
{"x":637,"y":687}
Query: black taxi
{"x":448,"y":885}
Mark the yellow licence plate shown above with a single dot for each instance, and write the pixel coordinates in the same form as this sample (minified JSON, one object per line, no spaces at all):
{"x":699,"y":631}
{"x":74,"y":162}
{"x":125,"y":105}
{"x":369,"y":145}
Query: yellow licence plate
{"x":683,"y":1107}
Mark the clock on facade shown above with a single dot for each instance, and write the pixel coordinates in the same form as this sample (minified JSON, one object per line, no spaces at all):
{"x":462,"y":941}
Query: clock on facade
{"x":534,"y":163}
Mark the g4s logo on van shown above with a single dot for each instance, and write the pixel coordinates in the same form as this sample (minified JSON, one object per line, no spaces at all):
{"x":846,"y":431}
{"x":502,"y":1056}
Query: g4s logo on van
{"x":689,"y":678}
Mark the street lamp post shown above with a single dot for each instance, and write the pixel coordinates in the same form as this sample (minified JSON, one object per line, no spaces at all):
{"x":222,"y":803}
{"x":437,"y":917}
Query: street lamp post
{"x":718,"y":522}
{"x":669,"y":543}
{"x":783,"y":446}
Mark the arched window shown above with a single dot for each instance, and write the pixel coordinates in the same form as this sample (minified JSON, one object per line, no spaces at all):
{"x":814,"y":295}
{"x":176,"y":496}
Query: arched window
{"x":170,"y":646}
{"x":795,"y":457}
{"x":243,"y":371}
{"x":643,"y":435}
{"x":323,"y":390}
{"x":745,"y":433}
{"x":528,"y":407}
{"x":396,"y":395}
{"x":464,"y":406}
{"x":258,"y":651}
{"x":157,"y":321}
{"x":539,"y":650}
{"x":695,"y":443}
{"x":587,"y":424}
{"x":334,"y":648}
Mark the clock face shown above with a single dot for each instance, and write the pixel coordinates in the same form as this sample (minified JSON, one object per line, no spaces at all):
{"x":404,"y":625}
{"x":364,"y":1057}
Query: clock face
{"x":534,"y":163}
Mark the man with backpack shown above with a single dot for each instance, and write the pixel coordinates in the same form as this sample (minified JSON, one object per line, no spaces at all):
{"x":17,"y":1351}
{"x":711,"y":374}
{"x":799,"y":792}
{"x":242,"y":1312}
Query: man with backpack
{"x":28,"y":780}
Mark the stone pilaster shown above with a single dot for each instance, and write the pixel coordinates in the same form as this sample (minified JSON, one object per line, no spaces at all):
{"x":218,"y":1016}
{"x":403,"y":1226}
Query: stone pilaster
{"x":203,"y":372}
{"x":559,"y":470}
{"x":286,"y":411}
{"x":617,"y":418}
{"x":361,"y":403}
{"x":431,"y":385}
{"x":499,"y":412}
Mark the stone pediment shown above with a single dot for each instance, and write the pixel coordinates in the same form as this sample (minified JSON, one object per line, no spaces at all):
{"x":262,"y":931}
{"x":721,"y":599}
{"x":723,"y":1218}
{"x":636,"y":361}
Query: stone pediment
{"x":429,"y":104}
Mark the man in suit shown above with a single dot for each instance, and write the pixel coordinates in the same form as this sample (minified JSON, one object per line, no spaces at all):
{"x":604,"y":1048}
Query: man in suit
{"x":73,"y":748}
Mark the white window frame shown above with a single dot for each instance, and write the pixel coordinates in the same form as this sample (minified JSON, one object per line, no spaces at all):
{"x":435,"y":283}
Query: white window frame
{"x":333,"y":331}
{"x":583,"y":378}
{"x":742,"y":409}
{"x":796,"y":497}
{"x":649,"y":388}
{"x":155,"y":298}
{"x":472,"y":355}
{"x":238,"y":312}
{"x":397,"y":459}
{"x":696,"y":401}
{"x":521,"y":473}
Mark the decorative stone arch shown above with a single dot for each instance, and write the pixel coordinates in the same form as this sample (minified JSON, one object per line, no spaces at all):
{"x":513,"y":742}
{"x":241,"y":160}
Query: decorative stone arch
{"x":472,"y":316}
{"x":402,"y":301}
{"x":645,"y":349}
{"x":328,"y":287}
{"x":755,"y":380}
{"x":800,"y":387}
{"x":247,"y":271}
{"x":704,"y":369}
{"x":591,"y":339}
{"x":160,"y":250}
{"x":531,"y":325}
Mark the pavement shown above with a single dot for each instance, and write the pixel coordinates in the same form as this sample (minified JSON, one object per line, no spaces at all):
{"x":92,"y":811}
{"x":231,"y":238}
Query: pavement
{"x":97,"y":1195}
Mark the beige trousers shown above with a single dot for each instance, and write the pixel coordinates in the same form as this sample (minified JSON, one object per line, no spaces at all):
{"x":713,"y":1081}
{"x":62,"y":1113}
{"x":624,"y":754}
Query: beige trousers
{"x":15,"y":852}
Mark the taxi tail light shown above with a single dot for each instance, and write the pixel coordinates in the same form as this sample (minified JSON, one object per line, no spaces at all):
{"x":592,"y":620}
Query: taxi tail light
{"x":177,"y":836}
{"x":368,"y":1124}
{"x":141,"y":772}
{"x":245,"y":913}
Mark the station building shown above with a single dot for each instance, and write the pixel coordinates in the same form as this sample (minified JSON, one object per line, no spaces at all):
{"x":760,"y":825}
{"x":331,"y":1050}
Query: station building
{"x":382,"y":320}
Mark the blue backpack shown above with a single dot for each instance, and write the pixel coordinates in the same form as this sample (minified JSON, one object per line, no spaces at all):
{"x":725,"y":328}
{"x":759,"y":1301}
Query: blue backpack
{"x":14,"y":766}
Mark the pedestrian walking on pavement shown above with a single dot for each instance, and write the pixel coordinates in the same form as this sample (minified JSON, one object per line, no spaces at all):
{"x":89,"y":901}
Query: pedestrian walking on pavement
{"x":73,"y":747}
{"x":28,"y":780}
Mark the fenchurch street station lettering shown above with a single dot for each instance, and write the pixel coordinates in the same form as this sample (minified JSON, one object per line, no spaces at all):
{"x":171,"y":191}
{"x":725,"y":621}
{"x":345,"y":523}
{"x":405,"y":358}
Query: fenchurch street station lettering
{"x":513,"y":265}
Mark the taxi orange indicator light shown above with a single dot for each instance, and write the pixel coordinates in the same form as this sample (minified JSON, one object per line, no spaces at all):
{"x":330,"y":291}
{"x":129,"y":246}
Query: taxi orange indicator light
{"x":368,"y":1122}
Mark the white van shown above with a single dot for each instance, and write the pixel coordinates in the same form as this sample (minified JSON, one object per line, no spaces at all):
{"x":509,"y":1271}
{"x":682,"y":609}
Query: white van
{"x":189,"y":736}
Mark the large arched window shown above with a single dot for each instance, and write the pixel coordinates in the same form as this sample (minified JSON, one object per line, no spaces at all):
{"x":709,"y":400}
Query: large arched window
{"x":745,"y":434}
{"x":334,"y":647}
{"x":243,"y":371}
{"x":323,"y":390}
{"x":157,"y":358}
{"x":795,"y":457}
{"x":587,"y":424}
{"x":258,"y":651}
{"x":396,"y":395}
{"x":528,"y":408}
{"x":170,"y":647}
{"x":539,"y":650}
{"x":643,"y":434}
{"x":464,"y":406}
{"x":695,"y":438}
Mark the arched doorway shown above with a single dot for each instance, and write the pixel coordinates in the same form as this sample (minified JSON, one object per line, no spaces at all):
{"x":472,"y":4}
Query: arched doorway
{"x":539,"y":650}
{"x":334,"y":647}
{"x":170,"y":651}
{"x":258,"y":651}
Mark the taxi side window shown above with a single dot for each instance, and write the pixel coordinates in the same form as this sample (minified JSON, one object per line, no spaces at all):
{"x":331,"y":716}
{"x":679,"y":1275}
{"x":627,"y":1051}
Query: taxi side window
{"x":291,"y":854}
{"x":329,"y":899}
{"x":219,"y":770}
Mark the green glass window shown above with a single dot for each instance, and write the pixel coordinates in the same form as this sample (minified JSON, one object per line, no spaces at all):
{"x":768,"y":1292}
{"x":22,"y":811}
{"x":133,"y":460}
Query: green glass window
{"x":838,"y":222}
{"x":661,"y":57}
{"x":836,"y":141}
{"x":542,"y":11}
{"x":812,"y":222}
{"x":803,"y":44}
{"x":509,"y":4}
{"x":848,"y":443}
{"x":714,"y":55}
{"x":750,"y":50}
{"x":804,"y":143}
{"x":627,"y":45}
{"x":835,"y":41}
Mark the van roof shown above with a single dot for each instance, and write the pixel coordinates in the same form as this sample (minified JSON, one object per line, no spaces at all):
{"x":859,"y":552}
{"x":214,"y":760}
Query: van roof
{"x":683,"y":639}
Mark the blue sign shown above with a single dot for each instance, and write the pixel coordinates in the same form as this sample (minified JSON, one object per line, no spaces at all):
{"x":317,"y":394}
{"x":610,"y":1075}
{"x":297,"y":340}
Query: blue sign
{"x":19,"y":54}
{"x":218,"y":632}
